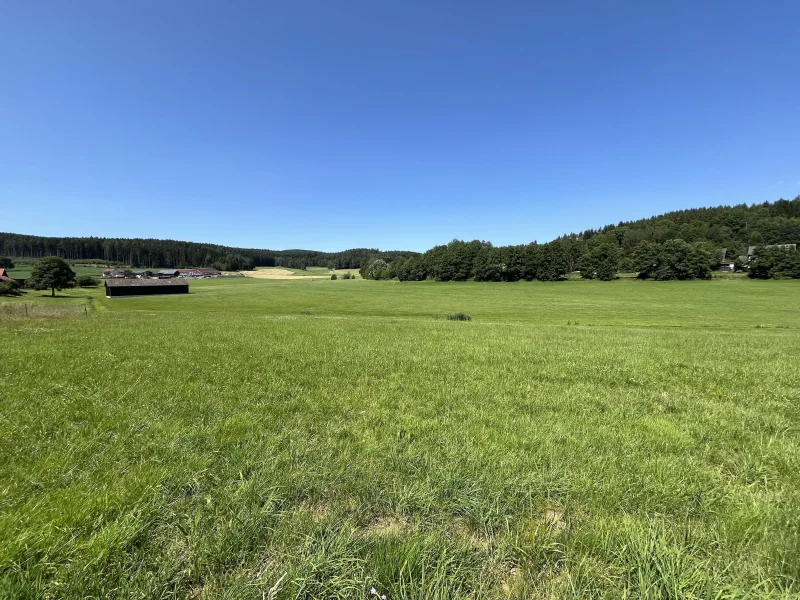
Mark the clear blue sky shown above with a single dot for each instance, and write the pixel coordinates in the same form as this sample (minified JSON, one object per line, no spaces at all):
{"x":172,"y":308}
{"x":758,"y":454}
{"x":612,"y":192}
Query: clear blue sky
{"x":398,"y":125}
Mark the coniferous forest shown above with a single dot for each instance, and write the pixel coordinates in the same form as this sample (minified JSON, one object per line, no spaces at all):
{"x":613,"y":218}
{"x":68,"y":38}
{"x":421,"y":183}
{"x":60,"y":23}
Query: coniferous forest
{"x":153,"y":253}
{"x":686,"y":244}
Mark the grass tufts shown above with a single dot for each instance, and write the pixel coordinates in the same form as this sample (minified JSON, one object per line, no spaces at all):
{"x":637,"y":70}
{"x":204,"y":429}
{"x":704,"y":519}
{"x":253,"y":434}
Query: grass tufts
{"x":216,"y":446}
{"x":459,"y":316}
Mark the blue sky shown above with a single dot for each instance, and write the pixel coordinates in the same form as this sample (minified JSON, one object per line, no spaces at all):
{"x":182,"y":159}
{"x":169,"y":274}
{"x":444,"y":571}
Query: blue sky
{"x":389,"y":124}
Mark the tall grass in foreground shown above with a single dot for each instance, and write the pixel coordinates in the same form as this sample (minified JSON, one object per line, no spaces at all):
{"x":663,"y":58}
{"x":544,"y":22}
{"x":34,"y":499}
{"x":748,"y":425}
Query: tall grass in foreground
{"x":34,"y":310}
{"x":247,"y":451}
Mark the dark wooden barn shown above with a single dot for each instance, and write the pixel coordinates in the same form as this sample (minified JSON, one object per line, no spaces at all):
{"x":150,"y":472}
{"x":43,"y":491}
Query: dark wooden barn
{"x":116,"y":288}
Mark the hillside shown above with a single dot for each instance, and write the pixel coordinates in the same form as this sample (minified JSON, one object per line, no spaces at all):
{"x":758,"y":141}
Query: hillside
{"x":685,"y":244}
{"x":731,"y":227}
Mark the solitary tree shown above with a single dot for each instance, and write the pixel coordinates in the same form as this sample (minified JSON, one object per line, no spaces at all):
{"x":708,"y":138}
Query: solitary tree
{"x":51,"y":273}
{"x":6,"y":263}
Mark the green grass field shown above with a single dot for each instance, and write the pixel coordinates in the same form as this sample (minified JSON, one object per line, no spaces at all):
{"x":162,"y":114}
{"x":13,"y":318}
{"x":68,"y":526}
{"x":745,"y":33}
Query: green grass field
{"x":316,"y":438}
{"x":23,"y":267}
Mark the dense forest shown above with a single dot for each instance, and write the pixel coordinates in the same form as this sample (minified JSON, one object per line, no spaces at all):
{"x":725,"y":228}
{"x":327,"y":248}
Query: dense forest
{"x":686,"y":244}
{"x":170,"y":253}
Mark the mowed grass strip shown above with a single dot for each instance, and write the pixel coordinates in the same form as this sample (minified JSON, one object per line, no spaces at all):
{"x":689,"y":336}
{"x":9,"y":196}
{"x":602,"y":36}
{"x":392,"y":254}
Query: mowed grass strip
{"x":234,"y":447}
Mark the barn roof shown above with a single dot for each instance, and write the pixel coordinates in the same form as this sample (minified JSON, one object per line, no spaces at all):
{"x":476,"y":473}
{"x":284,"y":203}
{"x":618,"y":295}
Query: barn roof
{"x":145,"y":282}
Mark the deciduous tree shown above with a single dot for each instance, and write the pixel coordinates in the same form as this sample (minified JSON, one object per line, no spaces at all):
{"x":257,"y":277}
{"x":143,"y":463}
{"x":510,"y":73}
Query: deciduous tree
{"x":51,"y":273}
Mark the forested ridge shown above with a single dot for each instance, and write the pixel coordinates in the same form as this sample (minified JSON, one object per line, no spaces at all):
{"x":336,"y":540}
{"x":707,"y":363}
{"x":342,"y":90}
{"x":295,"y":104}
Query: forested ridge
{"x":683,"y":244}
{"x":139,"y":252}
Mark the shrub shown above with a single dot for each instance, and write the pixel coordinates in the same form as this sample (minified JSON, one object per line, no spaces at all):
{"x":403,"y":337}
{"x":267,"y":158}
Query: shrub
{"x":87,"y":281}
{"x":333,"y":277}
{"x":459,"y":316}
{"x":9,"y":288}
{"x":348,"y":275}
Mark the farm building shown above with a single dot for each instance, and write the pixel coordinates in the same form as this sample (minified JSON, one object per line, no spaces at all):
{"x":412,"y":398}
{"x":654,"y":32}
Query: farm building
{"x":4,"y":276}
{"x":165,"y":273}
{"x":145,"y":287}
{"x":200,"y":272}
{"x":189,"y":273}
{"x":112,"y":273}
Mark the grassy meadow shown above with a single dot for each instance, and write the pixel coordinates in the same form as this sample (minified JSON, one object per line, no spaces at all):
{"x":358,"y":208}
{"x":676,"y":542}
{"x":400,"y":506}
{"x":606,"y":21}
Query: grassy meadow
{"x":23,"y":268}
{"x":310,"y":272}
{"x":316,"y":439}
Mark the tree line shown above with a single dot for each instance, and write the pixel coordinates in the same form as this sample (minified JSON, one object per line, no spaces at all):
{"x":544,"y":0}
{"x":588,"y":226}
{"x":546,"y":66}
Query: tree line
{"x":478,"y":260}
{"x":687,"y":244}
{"x":154,"y":253}
{"x":354,"y":258}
